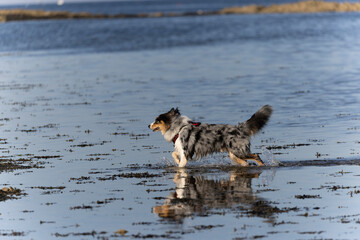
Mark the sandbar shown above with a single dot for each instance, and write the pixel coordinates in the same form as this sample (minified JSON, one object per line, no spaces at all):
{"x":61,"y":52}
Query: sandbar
{"x":309,"y":6}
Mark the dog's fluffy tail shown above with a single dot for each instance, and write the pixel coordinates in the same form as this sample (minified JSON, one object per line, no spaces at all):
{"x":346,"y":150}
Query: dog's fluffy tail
{"x":259,"y":119}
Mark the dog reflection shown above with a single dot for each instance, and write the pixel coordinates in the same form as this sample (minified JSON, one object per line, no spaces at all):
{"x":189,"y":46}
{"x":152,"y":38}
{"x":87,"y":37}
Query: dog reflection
{"x":195,"y":194}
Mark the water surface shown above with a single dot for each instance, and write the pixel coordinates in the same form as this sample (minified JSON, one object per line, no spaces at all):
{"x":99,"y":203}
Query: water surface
{"x":77,"y":96}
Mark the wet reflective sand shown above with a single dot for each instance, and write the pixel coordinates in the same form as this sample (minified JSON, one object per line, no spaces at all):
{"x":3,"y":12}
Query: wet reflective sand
{"x":74,"y":142}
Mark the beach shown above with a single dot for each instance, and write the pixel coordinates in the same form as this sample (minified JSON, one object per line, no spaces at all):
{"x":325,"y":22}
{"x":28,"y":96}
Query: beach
{"x":78,"y":160}
{"x":307,"y":6}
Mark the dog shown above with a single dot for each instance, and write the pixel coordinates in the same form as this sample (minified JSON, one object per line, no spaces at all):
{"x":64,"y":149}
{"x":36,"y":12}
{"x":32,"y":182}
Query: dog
{"x":197,"y":140}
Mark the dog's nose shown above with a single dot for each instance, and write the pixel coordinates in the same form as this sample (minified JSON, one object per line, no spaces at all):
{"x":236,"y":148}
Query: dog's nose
{"x":149,"y":126}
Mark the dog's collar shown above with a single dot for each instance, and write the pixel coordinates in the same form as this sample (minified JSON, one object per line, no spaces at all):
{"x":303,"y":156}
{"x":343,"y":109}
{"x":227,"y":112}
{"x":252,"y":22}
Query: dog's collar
{"x":195,"y":124}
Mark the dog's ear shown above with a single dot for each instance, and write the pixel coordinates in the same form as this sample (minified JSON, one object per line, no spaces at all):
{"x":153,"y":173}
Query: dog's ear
{"x":174,"y":111}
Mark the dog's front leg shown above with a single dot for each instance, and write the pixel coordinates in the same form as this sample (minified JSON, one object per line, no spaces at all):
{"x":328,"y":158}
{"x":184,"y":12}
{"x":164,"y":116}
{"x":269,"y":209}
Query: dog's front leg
{"x":179,"y":154}
{"x":183,"y":161}
{"x":175,"y":155}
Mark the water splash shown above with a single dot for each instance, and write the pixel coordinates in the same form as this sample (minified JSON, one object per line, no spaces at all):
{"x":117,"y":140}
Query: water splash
{"x":210,"y":161}
{"x":269,"y":158}
{"x":267,"y":176}
{"x":167,"y":162}
{"x":214,"y":161}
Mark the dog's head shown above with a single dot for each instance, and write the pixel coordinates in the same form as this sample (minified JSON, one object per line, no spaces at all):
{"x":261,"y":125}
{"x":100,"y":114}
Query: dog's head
{"x":163,"y":121}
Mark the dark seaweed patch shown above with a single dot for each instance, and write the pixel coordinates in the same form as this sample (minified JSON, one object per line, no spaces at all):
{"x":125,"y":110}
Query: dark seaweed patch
{"x":82,"y":180}
{"x":10,"y":193}
{"x":81,"y":207}
{"x":129,"y":175}
{"x":85,"y":144}
{"x":287,"y":146}
{"x":146,"y":236}
{"x":92,"y":234}
{"x":264,"y":209}
{"x":13,"y":234}
{"x":10,"y":164}
{"x":207,"y":227}
{"x":49,"y":188}
{"x":47,"y":157}
{"x":138,"y":136}
{"x":304,"y":196}
{"x":120,"y":133}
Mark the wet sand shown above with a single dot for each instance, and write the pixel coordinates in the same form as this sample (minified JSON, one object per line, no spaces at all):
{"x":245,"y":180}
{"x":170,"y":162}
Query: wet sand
{"x":299,"y":7}
{"x":82,"y":163}
{"x":309,"y":6}
{"x":147,"y":201}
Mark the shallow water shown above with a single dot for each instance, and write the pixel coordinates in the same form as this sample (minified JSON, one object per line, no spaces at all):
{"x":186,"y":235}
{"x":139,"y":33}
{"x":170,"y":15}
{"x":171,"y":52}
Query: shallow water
{"x":84,"y":119}
{"x":141,"y":6}
{"x":116,"y":95}
{"x":78,"y":112}
{"x":153,"y":202}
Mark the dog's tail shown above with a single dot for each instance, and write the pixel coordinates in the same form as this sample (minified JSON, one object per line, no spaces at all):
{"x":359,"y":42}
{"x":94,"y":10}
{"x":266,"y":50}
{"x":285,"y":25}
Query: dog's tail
{"x":259,"y":119}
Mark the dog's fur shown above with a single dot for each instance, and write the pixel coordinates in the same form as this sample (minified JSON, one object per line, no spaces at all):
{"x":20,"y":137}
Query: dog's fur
{"x":200,"y":140}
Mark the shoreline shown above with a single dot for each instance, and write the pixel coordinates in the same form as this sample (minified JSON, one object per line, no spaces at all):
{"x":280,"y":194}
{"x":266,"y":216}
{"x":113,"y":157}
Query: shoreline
{"x":309,"y":6}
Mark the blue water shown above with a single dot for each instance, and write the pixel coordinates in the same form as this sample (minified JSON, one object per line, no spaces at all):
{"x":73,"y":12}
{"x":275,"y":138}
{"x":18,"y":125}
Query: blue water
{"x":148,"y":6}
{"x":139,"y":34}
{"x":305,"y":65}
{"x":86,"y":90}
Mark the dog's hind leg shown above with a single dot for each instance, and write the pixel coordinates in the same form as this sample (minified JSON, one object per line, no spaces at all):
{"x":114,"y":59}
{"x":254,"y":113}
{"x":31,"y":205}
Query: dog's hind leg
{"x":256,"y":158}
{"x":240,"y":161}
{"x":175,"y":155}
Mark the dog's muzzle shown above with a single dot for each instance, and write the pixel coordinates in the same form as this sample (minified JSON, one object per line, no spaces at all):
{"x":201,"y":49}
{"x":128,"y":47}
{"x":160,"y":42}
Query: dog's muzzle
{"x":155,"y":129}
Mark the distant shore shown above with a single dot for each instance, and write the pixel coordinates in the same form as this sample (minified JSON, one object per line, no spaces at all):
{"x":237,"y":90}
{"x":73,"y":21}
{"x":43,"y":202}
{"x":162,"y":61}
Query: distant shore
{"x":310,"y":6}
